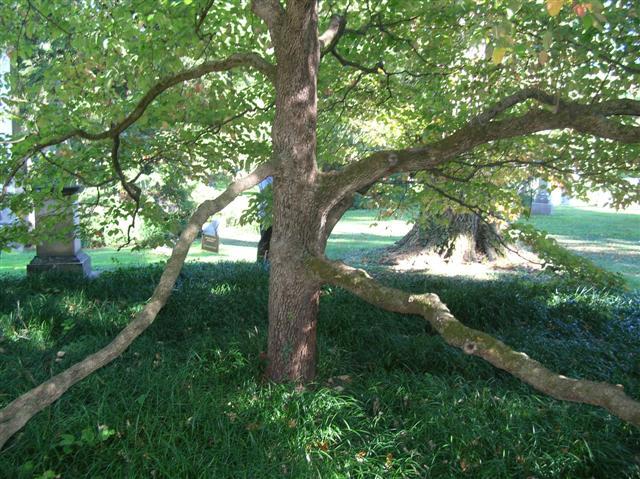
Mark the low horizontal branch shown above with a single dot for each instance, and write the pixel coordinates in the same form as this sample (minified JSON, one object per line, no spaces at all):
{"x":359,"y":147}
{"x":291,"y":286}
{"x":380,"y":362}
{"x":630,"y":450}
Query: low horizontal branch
{"x":477,"y":343}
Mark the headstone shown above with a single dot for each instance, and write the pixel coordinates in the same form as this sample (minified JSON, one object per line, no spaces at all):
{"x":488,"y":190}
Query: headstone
{"x":210,"y":238}
{"x":541,"y":203}
{"x":64,"y":255}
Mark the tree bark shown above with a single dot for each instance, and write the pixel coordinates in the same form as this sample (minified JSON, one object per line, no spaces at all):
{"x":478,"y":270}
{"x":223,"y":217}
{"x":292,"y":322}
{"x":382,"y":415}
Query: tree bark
{"x":15,"y":415}
{"x":477,"y":343}
{"x":293,"y":295}
{"x":458,"y":237}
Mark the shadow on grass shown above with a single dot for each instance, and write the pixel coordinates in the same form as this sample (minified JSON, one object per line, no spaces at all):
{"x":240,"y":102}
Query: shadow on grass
{"x":187,"y":400}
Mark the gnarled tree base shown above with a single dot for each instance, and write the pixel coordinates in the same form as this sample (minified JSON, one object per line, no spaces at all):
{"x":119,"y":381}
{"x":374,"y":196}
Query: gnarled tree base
{"x":457,"y":237}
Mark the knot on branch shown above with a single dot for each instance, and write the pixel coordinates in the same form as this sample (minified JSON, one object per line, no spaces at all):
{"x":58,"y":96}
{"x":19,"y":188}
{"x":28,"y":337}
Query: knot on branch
{"x":392,"y":159}
{"x":470,"y":347}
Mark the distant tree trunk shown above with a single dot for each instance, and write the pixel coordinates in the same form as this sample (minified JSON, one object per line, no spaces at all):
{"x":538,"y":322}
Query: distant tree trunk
{"x":456,"y":237}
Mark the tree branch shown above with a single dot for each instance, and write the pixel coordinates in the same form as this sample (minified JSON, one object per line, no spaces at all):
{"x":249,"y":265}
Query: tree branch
{"x":375,"y":69}
{"x":15,"y":415}
{"x":477,"y":343}
{"x":512,"y":100}
{"x":131,"y":188}
{"x":589,"y":119}
{"x":236,"y":60}
{"x":201,"y":17}
{"x":270,"y":11}
{"x":332,"y":34}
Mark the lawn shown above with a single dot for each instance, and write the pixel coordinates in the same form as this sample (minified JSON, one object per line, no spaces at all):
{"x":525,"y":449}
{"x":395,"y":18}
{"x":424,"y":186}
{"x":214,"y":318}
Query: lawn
{"x":610,"y":239}
{"x":357,"y":230}
{"x":187,"y":399}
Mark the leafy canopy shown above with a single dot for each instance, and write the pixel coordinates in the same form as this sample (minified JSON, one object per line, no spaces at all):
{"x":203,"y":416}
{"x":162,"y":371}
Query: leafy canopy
{"x":402,"y":74}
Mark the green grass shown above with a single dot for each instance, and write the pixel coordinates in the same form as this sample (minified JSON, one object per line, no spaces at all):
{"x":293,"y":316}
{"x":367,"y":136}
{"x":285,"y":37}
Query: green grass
{"x":357,"y":230}
{"x":187,"y":399}
{"x":610,"y":239}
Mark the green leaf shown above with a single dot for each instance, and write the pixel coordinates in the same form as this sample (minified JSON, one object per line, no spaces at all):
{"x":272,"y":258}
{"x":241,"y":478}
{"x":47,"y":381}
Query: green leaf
{"x":547,"y":39}
{"x":498,"y":55}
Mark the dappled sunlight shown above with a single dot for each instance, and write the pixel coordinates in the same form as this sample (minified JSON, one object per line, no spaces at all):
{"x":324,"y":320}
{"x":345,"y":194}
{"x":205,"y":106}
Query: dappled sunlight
{"x":618,"y":247}
{"x":435,"y":265}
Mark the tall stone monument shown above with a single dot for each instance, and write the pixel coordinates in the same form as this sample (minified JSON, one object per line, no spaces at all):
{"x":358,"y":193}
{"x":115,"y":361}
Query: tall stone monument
{"x":63,"y":253}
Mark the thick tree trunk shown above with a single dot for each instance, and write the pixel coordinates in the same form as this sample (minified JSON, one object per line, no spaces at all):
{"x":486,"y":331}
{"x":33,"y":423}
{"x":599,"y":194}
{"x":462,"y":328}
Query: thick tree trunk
{"x":458,"y":237}
{"x":293,"y":296}
{"x":293,"y":309}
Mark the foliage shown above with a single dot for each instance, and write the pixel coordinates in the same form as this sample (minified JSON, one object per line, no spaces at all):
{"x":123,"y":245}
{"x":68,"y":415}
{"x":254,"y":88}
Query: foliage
{"x":390,"y":401}
{"x":561,"y":260}
{"x":437,"y":65}
{"x":260,"y":209}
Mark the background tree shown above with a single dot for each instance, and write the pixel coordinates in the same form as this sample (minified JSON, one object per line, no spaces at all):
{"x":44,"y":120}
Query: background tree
{"x":186,"y":88}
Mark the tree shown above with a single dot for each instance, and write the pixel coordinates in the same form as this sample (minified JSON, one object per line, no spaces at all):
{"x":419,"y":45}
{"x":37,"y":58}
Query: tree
{"x":126,"y":96}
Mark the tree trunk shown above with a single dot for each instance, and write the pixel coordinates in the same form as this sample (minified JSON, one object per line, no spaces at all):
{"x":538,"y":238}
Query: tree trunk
{"x":293,"y":296}
{"x":458,"y":237}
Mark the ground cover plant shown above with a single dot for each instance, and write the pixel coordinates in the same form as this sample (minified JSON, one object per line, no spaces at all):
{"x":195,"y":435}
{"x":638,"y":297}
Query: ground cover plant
{"x":464,"y":100}
{"x":188,"y":398}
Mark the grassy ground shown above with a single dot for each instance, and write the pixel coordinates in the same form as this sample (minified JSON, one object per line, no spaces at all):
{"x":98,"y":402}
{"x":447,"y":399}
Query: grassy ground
{"x":610,"y":239}
{"x":186,"y":400}
{"x":357,"y":230}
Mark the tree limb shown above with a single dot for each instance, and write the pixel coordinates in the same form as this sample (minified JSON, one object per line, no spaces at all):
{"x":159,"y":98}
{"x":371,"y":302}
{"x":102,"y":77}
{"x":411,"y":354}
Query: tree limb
{"x":477,"y":343}
{"x":131,"y":188}
{"x":15,"y":415}
{"x":270,"y":11}
{"x":589,"y":119}
{"x":201,"y":17}
{"x":332,"y":34}
{"x":236,"y":60}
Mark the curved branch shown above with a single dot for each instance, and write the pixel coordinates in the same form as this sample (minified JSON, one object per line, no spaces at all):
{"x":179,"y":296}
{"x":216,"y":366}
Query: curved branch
{"x":131,"y":188}
{"x":236,"y":60}
{"x":375,"y":69}
{"x":332,"y":34}
{"x":588,"y":119}
{"x":15,"y":415}
{"x":512,"y":100}
{"x":477,"y":343}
